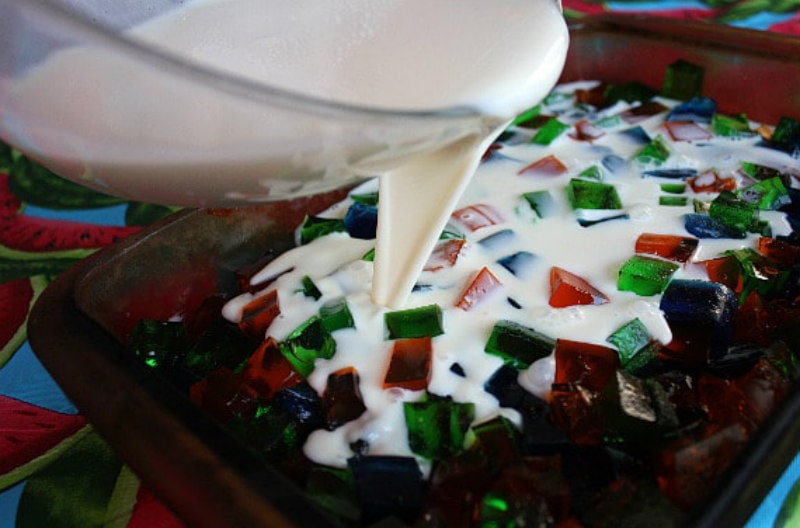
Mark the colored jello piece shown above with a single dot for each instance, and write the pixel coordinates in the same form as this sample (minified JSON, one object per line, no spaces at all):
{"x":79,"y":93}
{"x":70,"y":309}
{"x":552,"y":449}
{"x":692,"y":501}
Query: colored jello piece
{"x":696,"y":110}
{"x":445,"y":254}
{"x":630,"y":92}
{"x":586,"y":194}
{"x":267,"y":371}
{"x":614,"y":163}
{"x":673,"y":201}
{"x":366,"y":198}
{"x":334,"y":489}
{"x":309,"y":289}
{"x":525,"y":118}
{"x":731,"y":125}
{"x":518,"y":345}
{"x":410,"y":364}
{"x":703,"y":226}
{"x":686,"y":131}
{"x":642,"y":111}
{"x":683,"y":80}
{"x":159,"y":343}
{"x":645,"y":276}
{"x":568,"y":289}
{"x":585,"y":130}
{"x":786,"y":135}
{"x":361,"y":221}
{"x":592,"y":172}
{"x":779,"y":251}
{"x":437,"y":426}
{"x":591,"y":220}
{"x":673,"y":188}
{"x":547,"y":166}
{"x":388,"y":486}
{"x":767,"y":195}
{"x":477,"y":216}
{"x":635,"y":346}
{"x":637,"y":135}
{"x":759,"y":274}
{"x":307,"y":343}
{"x":497,"y":240}
{"x":518,"y":264}
{"x":680,"y":173}
{"x":758,"y":172}
{"x":656,"y":152}
{"x":336,"y":315}
{"x":734,"y":212}
{"x":549,"y":132}
{"x":342,"y":401}
{"x":637,"y":410}
{"x":425,"y":321}
{"x":258,"y":314}
{"x":671,"y":247}
{"x":593,"y":96}
{"x":221,"y":344}
{"x":302,"y":403}
{"x":711,"y":182}
{"x":700,"y":312}
{"x":541,"y":202}
{"x":585,"y":364}
{"x":480,"y":287}
{"x":221,"y":394}
{"x":314,"y":227}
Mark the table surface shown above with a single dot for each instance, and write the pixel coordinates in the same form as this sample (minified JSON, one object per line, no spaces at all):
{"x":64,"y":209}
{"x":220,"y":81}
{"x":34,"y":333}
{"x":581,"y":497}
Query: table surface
{"x":70,"y":477}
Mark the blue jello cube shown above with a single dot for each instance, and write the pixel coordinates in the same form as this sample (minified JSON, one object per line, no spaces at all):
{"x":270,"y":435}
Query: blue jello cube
{"x":700,"y":311}
{"x":519,"y":263}
{"x":696,"y":109}
{"x":703,"y":226}
{"x":388,"y":486}
{"x":302,"y":403}
{"x":361,"y":221}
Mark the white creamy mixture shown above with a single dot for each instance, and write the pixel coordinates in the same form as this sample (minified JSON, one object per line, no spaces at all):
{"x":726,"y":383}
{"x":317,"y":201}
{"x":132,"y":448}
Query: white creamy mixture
{"x":594,"y":253}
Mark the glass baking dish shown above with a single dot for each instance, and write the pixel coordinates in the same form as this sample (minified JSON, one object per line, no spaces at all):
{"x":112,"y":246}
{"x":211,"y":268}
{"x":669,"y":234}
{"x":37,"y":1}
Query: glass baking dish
{"x":193,"y":464}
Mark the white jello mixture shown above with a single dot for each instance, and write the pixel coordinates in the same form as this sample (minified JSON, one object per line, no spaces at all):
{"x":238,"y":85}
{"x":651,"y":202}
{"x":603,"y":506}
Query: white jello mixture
{"x":595,"y":253}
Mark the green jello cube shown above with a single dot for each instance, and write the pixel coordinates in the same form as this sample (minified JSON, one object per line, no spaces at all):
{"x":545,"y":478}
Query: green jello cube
{"x":734,"y":213}
{"x":308,"y":342}
{"x":759,"y":274}
{"x":437,"y":426}
{"x":630,"y":92}
{"x":541,"y":202}
{"x":517,"y":345}
{"x":314,"y":227}
{"x":645,"y":275}
{"x":425,"y":321}
{"x":682,"y":80}
{"x":593,"y":172}
{"x":159,"y":343}
{"x":673,"y":201}
{"x":766,"y":195}
{"x":369,"y":256}
{"x":787,"y":134}
{"x":527,"y":116}
{"x":366,"y":199}
{"x":673,"y":188}
{"x":730,"y":125}
{"x":656,"y":152}
{"x":629,"y":339}
{"x":336,"y":315}
{"x":309,"y":289}
{"x":586,"y":194}
{"x":549,"y":132}
{"x":610,"y":121}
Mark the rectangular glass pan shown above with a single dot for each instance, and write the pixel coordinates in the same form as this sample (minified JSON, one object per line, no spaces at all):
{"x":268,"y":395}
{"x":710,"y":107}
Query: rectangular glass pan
{"x":193,"y":464}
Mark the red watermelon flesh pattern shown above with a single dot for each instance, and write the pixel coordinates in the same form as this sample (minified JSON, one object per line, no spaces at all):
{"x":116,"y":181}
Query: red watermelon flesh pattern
{"x":28,"y":233}
{"x":28,"y":431}
{"x":15,"y":299}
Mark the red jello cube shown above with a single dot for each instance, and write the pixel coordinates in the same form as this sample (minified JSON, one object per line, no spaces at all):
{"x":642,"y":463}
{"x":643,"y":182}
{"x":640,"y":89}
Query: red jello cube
{"x":584,"y":364}
{"x":445,"y":254}
{"x":342,"y":401}
{"x":671,"y":247}
{"x":567,"y":289}
{"x":547,"y":166}
{"x":477,"y":216}
{"x":710,"y":182}
{"x":480,"y":287}
{"x":686,"y":131}
{"x":724,"y":270}
{"x":585,"y":130}
{"x":267,"y":370}
{"x":643,"y":111}
{"x":258,"y":314}
{"x":410,"y":366}
{"x":778,"y":251}
{"x":223,"y":396}
{"x":576,"y":410}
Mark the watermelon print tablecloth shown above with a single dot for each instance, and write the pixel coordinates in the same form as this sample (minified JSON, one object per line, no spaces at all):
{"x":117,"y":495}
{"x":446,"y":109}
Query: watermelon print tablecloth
{"x":54,"y":469}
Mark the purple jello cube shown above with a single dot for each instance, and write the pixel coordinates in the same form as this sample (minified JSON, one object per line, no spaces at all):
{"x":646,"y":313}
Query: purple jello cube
{"x":361,"y":221}
{"x":388,"y":486}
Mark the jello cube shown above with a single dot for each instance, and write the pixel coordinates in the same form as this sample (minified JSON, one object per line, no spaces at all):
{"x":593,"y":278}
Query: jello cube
{"x":671,"y":247}
{"x":734,"y":212}
{"x":410,"y":365}
{"x":477,"y":216}
{"x":767,"y":195}
{"x":365,"y":198}
{"x":586,"y":194}
{"x":630,"y":92}
{"x":585,"y":130}
{"x":673,"y":188}
{"x":629,"y":339}
{"x":302,"y":403}
{"x":334,"y":489}
{"x":307,"y":343}
{"x":499,"y":441}
{"x":696,"y":109}
{"x":568,"y":289}
{"x":682,"y":80}
{"x":342,"y":401}
{"x":267,"y":371}
{"x":585,"y":364}
{"x":645,"y":276}
{"x":445,"y":254}
{"x":518,"y":345}
{"x":547,"y":166}
{"x":336,"y":315}
{"x":592,"y":172}
{"x":221,"y":394}
{"x":258,"y":314}
{"x":314,"y":227}
{"x":779,"y":251}
{"x":497,"y":240}
{"x":549,"y":132}
{"x":388,"y":486}
{"x":437,"y":425}
{"x":703,"y":226}
{"x":731,"y":125}
{"x":159,"y":343}
{"x":673,"y":201}
{"x":479,"y":288}
{"x":361,"y":221}
{"x":425,"y":321}
{"x":686,"y":131}
{"x":710,"y":182}
{"x":656,"y":152}
{"x":642,"y":111}
{"x":221,"y":344}
{"x":519,"y":264}
{"x":309,"y":289}
{"x":679,"y":173}
{"x":700,"y":311}
{"x":527,"y":116}
{"x":759,"y":274}
{"x":786,"y":135}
